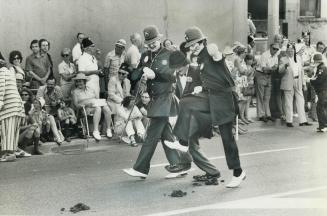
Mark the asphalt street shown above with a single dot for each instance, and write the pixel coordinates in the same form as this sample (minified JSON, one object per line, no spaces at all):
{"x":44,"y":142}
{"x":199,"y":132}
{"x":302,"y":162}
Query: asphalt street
{"x":286,"y":175}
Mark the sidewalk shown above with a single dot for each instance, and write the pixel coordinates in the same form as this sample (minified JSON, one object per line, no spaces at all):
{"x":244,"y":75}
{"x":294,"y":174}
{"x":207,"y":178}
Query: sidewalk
{"x":78,"y":145}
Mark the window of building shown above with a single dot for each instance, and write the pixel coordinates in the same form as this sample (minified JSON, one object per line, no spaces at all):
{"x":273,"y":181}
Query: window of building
{"x":310,"y":8}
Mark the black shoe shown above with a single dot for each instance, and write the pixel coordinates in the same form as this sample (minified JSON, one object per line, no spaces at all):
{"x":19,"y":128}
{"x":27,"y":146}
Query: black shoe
{"x":68,"y":139}
{"x":37,"y":152}
{"x":289,"y":124}
{"x":305,"y":124}
{"x":206,"y":177}
{"x":178,"y":168}
{"x":271,"y":119}
{"x":262,"y":119}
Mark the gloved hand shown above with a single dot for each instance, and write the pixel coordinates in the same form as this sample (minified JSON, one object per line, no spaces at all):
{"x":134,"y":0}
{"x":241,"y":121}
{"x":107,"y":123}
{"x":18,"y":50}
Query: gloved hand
{"x":197,"y":90}
{"x":148,"y":73}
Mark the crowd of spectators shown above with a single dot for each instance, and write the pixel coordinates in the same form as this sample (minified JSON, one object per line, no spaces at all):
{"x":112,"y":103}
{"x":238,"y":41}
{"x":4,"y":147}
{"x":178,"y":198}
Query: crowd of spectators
{"x":292,"y":74}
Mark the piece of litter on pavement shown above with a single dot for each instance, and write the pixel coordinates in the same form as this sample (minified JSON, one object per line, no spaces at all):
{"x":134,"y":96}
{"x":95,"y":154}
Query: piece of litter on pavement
{"x":178,"y":193}
{"x":79,"y":207}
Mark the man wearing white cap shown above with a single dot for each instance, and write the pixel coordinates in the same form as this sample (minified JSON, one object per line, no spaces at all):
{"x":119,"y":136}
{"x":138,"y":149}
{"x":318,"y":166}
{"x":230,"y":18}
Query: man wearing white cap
{"x":114,"y":59}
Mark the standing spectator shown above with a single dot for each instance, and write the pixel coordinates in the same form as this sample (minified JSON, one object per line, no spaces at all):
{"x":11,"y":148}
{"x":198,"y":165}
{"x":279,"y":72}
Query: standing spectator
{"x":114,"y":59}
{"x":38,"y":66}
{"x":2,"y":61}
{"x":44,"y":45}
{"x":252,"y":29}
{"x":133,"y":54}
{"x":88,"y":65}
{"x":251,"y":45}
{"x":267,"y":65}
{"x":67,"y":120}
{"x":292,"y":84}
{"x":319,"y":82}
{"x":15,"y":59}
{"x":103,"y":83}
{"x":84,"y":96}
{"x":52,"y":95}
{"x":168,"y":44}
{"x":67,"y":71}
{"x":11,"y":114}
{"x":249,"y":88}
{"x":77,"y":49}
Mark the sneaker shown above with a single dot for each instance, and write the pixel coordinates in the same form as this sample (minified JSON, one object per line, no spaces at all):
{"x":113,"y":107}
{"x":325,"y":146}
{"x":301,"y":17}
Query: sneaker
{"x":176,"y":145}
{"x":134,"y":173}
{"x":126,"y":140}
{"x":133,"y":142}
{"x":96,"y":135}
{"x":236,"y":181}
{"x":20,"y":153}
{"x":8,"y":157}
{"x":109,"y":133}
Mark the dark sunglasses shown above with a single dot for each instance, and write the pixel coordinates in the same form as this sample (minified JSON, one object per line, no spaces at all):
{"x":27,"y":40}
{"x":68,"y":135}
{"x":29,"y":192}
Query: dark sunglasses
{"x":125,"y":74}
{"x":16,"y":58}
{"x":65,"y":55}
{"x":25,"y":94}
{"x":276,"y":49}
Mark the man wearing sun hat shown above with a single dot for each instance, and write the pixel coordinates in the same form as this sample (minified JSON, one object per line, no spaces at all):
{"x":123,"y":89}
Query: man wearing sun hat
{"x":154,"y":66}
{"x":215,"y":97}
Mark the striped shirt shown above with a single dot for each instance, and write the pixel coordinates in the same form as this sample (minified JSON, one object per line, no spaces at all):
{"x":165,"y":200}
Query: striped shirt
{"x":10,"y":101}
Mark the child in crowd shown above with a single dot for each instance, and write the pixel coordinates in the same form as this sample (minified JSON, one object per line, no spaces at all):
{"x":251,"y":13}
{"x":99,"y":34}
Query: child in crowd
{"x":249,"y":89}
{"x":67,"y":119}
{"x":134,"y":125}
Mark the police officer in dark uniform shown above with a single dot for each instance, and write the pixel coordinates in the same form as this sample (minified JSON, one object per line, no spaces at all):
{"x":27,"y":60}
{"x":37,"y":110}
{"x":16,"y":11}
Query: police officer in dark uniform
{"x":160,"y":80}
{"x":212,"y":105}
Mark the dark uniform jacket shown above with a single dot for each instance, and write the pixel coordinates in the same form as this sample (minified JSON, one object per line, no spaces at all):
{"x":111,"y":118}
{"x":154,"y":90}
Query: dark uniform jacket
{"x":163,"y":101}
{"x":320,"y":83}
{"x":218,"y":83}
{"x":193,"y":79}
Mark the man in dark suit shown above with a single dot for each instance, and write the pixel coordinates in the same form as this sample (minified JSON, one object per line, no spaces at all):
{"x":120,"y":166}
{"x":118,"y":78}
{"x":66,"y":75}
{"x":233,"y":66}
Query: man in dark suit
{"x":187,"y":76}
{"x":163,"y":104}
{"x":213,"y":105}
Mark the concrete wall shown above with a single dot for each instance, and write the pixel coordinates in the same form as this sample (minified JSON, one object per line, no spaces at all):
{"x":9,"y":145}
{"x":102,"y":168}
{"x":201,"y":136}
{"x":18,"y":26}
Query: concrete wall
{"x":296,"y":24}
{"x":106,"y":21}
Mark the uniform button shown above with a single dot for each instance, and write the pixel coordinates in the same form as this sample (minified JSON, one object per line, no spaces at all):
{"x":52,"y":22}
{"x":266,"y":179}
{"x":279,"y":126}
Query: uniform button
{"x":156,"y":68}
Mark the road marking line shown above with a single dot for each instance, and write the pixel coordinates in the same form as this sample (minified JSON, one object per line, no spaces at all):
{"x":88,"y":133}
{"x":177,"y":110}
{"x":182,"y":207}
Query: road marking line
{"x":245,"y":154}
{"x":261,"y":202}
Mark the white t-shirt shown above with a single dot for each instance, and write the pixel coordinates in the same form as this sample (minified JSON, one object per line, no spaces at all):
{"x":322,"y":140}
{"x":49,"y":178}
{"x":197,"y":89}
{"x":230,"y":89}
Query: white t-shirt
{"x":88,"y":62}
{"x":77,"y":52}
{"x":133,"y":55}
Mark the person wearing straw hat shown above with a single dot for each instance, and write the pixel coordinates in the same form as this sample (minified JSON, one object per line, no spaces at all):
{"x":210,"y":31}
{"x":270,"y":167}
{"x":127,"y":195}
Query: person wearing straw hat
{"x":160,"y":78}
{"x":84,"y":96}
{"x":216,"y":98}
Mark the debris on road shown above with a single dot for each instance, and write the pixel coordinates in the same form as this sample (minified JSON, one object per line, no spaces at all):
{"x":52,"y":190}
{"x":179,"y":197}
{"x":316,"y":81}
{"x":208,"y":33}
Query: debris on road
{"x":222,"y":180}
{"x":79,"y":207}
{"x":196,"y":184}
{"x":62,"y":209}
{"x":178,"y":193}
{"x":213,"y":181}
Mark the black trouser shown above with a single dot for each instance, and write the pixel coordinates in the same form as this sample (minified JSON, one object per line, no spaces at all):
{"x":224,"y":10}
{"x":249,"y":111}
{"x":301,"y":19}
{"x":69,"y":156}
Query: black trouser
{"x":194,"y":116}
{"x":159,"y":128}
{"x":322,"y":108}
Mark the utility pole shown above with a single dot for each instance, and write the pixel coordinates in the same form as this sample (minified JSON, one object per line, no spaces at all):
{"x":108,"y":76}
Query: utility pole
{"x":273,"y":19}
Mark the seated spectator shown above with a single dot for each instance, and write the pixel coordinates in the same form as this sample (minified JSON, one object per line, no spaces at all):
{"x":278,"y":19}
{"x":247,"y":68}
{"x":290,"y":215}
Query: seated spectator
{"x":68,"y":120}
{"x":45,"y":122}
{"x":44,"y":45}
{"x":129,"y":118}
{"x":143,"y":107}
{"x":16,"y":58}
{"x":27,"y":98}
{"x":19,"y":81}
{"x":52,"y":95}
{"x":29,"y":133}
{"x":86,"y":97}
{"x":67,"y":71}
{"x":118,"y":88}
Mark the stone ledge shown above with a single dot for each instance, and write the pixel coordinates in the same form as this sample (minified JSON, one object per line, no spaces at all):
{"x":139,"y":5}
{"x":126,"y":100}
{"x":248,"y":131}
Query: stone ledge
{"x":311,"y":19}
